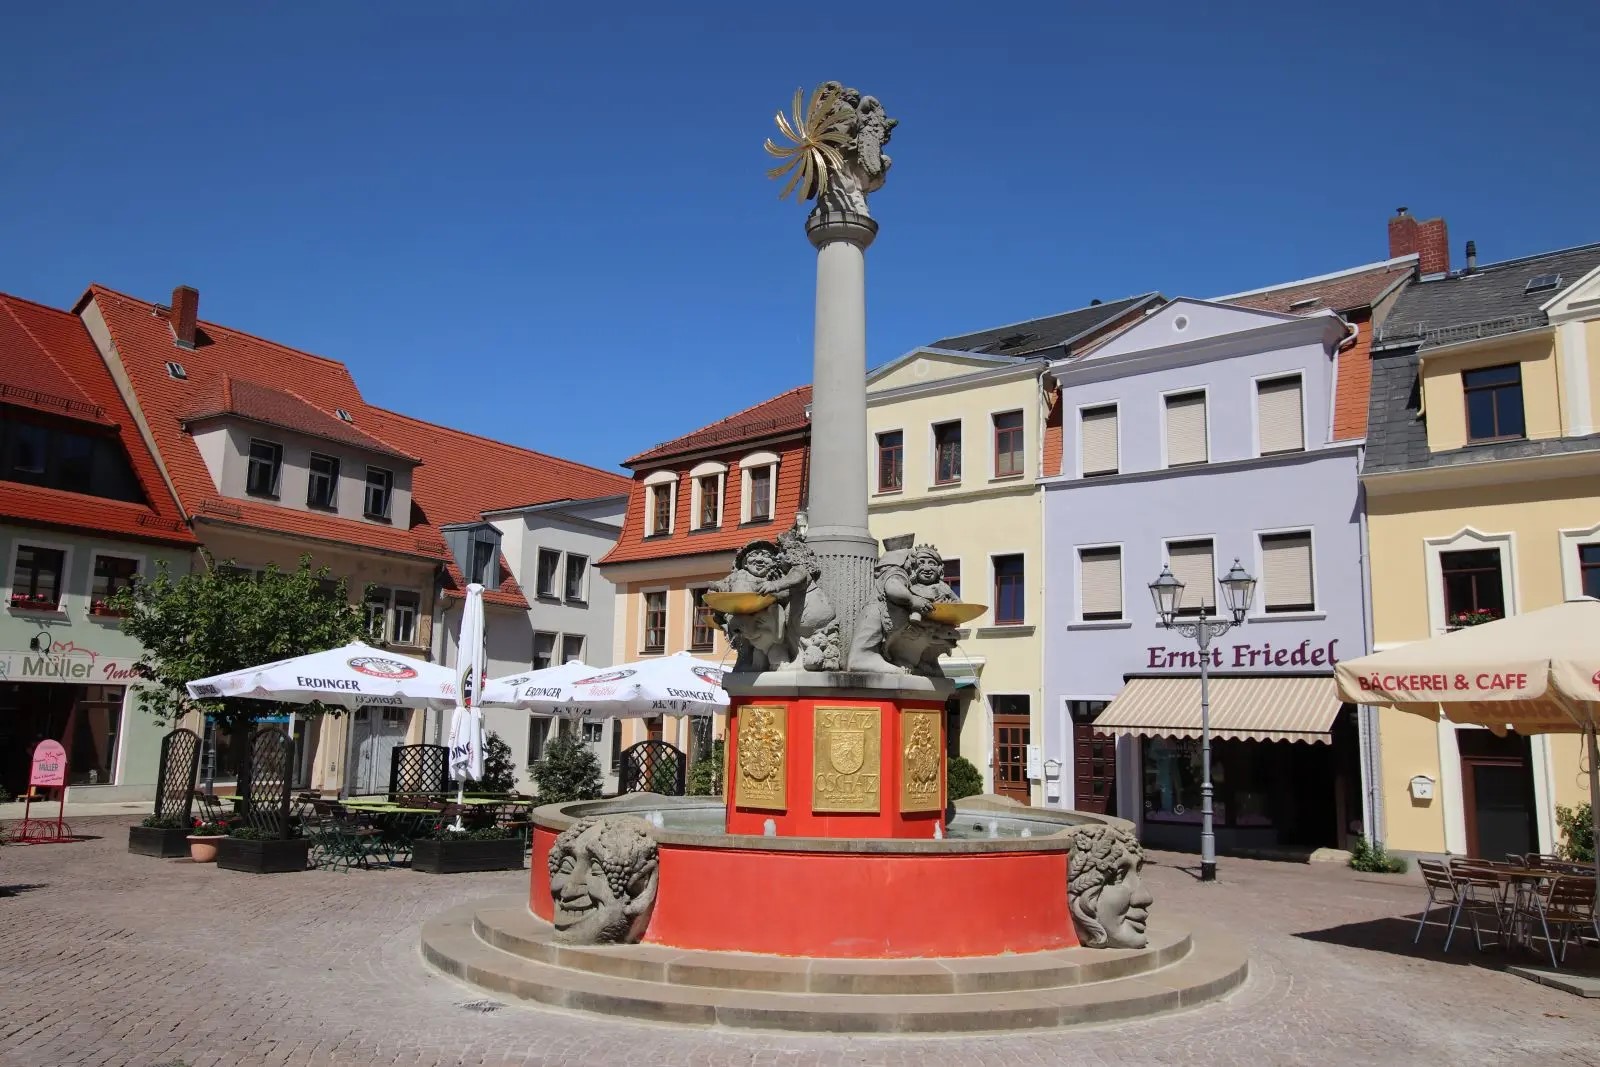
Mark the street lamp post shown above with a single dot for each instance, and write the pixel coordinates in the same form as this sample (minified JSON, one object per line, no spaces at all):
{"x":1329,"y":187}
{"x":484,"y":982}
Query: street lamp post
{"x":1238,"y":587}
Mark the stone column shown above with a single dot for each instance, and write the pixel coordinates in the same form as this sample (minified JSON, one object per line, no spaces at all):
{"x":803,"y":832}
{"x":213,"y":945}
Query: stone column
{"x":837,"y":498}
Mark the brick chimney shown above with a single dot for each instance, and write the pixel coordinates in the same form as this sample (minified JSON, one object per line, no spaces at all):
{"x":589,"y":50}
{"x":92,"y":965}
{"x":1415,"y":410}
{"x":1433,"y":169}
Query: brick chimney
{"x":1428,"y":238}
{"x":185,"y":314}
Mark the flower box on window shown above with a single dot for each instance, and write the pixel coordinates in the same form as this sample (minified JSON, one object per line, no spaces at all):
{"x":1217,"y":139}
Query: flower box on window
{"x":33,"y":602}
{"x":104,"y":608}
{"x":1462,"y":619}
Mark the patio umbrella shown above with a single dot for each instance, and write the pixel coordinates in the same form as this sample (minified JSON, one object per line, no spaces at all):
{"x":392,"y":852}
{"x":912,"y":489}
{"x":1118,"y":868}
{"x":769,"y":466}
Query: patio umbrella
{"x":466,"y":725}
{"x":1537,"y":673}
{"x":350,"y":676}
{"x":542,"y":690}
{"x":669,"y":685}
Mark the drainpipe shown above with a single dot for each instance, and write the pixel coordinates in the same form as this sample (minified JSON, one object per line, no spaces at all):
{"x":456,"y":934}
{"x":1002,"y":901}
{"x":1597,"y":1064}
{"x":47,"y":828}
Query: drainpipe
{"x":1372,"y":815}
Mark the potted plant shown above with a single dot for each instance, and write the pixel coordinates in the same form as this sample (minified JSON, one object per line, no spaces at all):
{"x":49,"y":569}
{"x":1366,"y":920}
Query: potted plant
{"x":163,"y":836}
{"x":255,"y":851}
{"x":106,"y":608}
{"x":203,"y":841}
{"x":486,"y":848}
{"x":33,"y":601}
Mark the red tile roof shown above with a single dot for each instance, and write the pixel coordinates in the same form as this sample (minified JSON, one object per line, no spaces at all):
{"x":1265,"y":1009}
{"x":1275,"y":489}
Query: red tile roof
{"x":1347,"y":291}
{"x":285,"y":409}
{"x":49,"y":362}
{"x":784,"y":413}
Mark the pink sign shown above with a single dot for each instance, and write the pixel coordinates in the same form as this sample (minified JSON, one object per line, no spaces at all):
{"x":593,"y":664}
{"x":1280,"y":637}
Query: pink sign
{"x":49,"y":764}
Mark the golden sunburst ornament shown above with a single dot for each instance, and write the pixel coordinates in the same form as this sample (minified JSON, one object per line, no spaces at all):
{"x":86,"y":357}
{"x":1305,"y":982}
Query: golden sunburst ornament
{"x":816,"y":138}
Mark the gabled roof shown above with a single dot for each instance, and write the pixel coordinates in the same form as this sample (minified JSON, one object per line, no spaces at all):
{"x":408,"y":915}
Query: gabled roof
{"x":286,"y":410}
{"x":783,"y":414}
{"x":48,"y":362}
{"x":1036,"y":336}
{"x":1341,"y":291}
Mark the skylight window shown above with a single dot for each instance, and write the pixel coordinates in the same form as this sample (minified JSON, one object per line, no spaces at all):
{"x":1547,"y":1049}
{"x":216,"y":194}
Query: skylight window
{"x":176,"y":372}
{"x":1543,"y":283}
{"x":1310,"y":301}
{"x":343,"y":414}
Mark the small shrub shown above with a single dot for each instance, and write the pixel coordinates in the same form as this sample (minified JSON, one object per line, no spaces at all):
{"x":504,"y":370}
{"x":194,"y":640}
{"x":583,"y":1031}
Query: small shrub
{"x":1577,"y":832}
{"x":251,"y":833}
{"x":663,"y":779}
{"x":443,"y":832}
{"x":1373,"y":858}
{"x":962,"y":779}
{"x":209,"y":829}
{"x":705,"y":780}
{"x":162,"y":822}
{"x":569,"y":771}
{"x":499,"y":772}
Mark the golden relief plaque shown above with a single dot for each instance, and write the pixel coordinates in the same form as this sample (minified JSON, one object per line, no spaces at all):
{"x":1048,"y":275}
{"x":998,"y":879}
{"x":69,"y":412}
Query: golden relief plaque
{"x":920,"y":757}
{"x":845,"y":767}
{"x":763,"y":751}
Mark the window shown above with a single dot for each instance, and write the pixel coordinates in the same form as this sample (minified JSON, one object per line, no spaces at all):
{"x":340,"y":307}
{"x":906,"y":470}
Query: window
{"x":761,"y":494}
{"x":549,"y":567}
{"x":1008,"y":444}
{"x":946,"y":453}
{"x":1286,"y":580}
{"x":1473,"y":587}
{"x":380,"y":487}
{"x":544,"y":651}
{"x":1099,"y":445}
{"x":1186,"y":429}
{"x":891,"y":461}
{"x":571,"y":647}
{"x":594,"y":733}
{"x":1008,"y":593}
{"x":702,"y":627}
{"x":224,"y":752}
{"x":1100,"y":584}
{"x":709,"y":489}
{"x":322,"y":487}
{"x":1494,"y":402}
{"x":577,"y":575}
{"x":952,"y":576}
{"x":377,"y":611}
{"x":538,"y":734}
{"x":482,"y":560}
{"x":616,"y":747}
{"x":1191,"y":563}
{"x":36,"y":578}
{"x":407,"y":605}
{"x":1279,"y":427}
{"x":112,"y":574}
{"x":28,"y":446}
{"x":61,"y":458}
{"x":266,"y":461}
{"x":655,"y":621}
{"x":1589,"y":569}
{"x":660,"y":509}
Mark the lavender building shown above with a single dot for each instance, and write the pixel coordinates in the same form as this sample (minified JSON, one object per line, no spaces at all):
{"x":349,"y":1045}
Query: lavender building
{"x":1196,"y":437}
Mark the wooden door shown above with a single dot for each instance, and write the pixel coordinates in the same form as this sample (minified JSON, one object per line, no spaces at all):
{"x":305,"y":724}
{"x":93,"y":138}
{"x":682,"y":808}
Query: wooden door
{"x":1011,"y":738}
{"x":1094,"y":761}
{"x":1497,"y":794}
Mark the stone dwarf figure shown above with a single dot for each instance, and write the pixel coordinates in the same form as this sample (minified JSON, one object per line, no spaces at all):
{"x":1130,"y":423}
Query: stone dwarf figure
{"x":603,"y":875}
{"x":800,"y":630}
{"x":1105,"y":892}
{"x":893,"y":635}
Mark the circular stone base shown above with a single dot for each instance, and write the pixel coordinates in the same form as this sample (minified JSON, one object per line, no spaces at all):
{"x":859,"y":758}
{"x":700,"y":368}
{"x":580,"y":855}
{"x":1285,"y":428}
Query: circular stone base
{"x":499,"y":946}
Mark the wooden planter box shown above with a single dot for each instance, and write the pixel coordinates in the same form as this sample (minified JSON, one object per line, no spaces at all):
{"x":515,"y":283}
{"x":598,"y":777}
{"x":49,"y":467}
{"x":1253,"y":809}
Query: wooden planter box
{"x":157,"y":841}
{"x":263,"y":857}
{"x":443,"y":856}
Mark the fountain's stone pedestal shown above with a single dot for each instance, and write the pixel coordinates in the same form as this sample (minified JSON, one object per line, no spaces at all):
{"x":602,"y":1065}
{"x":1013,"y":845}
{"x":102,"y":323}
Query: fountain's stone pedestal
{"x":840,"y":754}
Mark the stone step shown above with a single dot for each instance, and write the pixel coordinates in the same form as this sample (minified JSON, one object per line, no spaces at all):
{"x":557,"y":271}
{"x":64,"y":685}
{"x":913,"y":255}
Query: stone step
{"x":1211,"y":970}
{"x":506,"y":924}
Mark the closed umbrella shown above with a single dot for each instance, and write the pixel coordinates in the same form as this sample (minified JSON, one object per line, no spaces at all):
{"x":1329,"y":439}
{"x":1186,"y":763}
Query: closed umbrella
{"x":466,"y":724}
{"x":1537,"y":673}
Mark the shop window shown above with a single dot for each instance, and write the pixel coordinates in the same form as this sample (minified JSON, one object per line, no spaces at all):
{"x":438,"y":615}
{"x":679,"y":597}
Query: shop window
{"x":266,"y":464}
{"x":577,"y":577}
{"x":1286,"y":573}
{"x":891,"y":461}
{"x":1186,"y":429}
{"x":1100,"y":583}
{"x":112,"y":574}
{"x":655,"y":621}
{"x":703,"y":628}
{"x":616,"y":746}
{"x":1098,"y":445}
{"x":946,"y":453}
{"x":224,"y":753}
{"x":952,"y":576}
{"x":322,"y":483}
{"x":1008,"y":590}
{"x":544,"y":651}
{"x":594,"y":733}
{"x":1474,"y":590}
{"x":549,"y":567}
{"x":1192,"y":564}
{"x":379,"y":491}
{"x":571,"y":647}
{"x":1172,"y":779}
{"x":1589,"y":567}
{"x":1008,"y":444}
{"x":1494,"y":403}
{"x":1279,"y":427}
{"x":96,"y":732}
{"x":36,"y":578}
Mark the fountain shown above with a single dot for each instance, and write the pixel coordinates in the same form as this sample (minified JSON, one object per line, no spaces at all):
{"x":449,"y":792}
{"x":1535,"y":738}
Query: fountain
{"x":833,"y":846}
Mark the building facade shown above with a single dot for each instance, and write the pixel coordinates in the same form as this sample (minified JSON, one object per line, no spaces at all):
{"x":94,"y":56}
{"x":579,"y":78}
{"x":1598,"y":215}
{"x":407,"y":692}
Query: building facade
{"x":1201,"y":435}
{"x":1481,"y":485}
{"x":83,"y":512}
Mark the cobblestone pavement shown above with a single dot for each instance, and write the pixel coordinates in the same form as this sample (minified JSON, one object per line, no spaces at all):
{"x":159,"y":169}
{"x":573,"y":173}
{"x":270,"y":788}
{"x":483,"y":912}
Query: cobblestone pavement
{"x":111,"y":959}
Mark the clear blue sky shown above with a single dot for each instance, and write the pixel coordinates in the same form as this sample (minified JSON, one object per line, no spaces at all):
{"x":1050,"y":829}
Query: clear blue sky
{"x":549,"y":223}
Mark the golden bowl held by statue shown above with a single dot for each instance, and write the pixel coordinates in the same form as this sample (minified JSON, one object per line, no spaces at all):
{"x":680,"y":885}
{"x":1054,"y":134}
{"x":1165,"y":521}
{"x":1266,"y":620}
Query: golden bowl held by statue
{"x":738,"y":603}
{"x":954,"y":613}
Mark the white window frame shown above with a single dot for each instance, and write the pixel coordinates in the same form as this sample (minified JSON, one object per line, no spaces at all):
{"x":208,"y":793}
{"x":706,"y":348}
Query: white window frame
{"x":558,"y":577}
{"x":753,"y":462}
{"x":95,"y":554}
{"x":666,"y":621}
{"x":877,"y":461}
{"x":561,"y":646}
{"x":1166,"y":561}
{"x":1571,"y":570}
{"x":707,"y":470}
{"x":388,"y":498}
{"x":1116,"y":405}
{"x":933,"y":453}
{"x":276,"y":490}
{"x":994,"y":447}
{"x":1166,"y":464}
{"x":392,"y":629}
{"x":994,"y":609}
{"x":1258,"y":596}
{"x":1255,"y":413}
{"x":1466,"y":539}
{"x":689,"y":621}
{"x":1078,"y":621}
{"x":668,"y":478}
{"x":66,"y":600}
{"x":583,"y":586}
{"x":555,"y":647}
{"x":333,"y":480}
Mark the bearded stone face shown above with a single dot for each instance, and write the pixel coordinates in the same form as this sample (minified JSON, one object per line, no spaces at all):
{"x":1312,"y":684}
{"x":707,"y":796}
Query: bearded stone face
{"x":603,"y":880}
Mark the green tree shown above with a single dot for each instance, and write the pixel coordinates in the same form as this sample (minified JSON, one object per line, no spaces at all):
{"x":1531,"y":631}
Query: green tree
{"x":962,"y":779}
{"x":568,"y":771}
{"x":705,"y":780}
{"x":1577,"y":830}
{"x":499,"y":772}
{"x":219,"y":619}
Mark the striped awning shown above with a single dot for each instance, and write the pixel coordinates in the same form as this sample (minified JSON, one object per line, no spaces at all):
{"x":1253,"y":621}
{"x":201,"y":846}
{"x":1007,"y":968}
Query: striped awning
{"x":1296,"y":708}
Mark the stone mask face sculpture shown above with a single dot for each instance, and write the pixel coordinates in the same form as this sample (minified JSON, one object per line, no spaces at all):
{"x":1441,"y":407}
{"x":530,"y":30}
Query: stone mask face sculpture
{"x":1105,"y":892}
{"x":927,"y":568}
{"x":603,"y":880}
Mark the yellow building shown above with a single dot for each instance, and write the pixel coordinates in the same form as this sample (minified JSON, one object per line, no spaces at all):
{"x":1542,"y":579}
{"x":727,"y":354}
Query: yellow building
{"x":1482,"y":500}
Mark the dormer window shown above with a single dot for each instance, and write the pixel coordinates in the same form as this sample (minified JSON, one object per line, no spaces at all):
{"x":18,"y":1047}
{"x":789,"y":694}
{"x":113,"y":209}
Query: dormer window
{"x":266,"y":463}
{"x":322,"y":484}
{"x":482,"y":562}
{"x":380,"y":490}
{"x":759,"y":487}
{"x":707,"y":482}
{"x":660,"y":503}
{"x":476,"y":549}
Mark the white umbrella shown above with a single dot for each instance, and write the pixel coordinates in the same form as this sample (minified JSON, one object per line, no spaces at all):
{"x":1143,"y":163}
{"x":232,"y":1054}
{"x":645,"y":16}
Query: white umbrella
{"x":352,"y":676}
{"x":466,"y":725}
{"x":542,"y":690}
{"x":671,"y":685}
